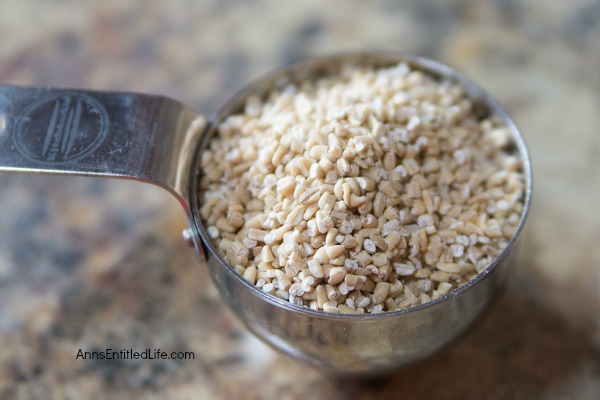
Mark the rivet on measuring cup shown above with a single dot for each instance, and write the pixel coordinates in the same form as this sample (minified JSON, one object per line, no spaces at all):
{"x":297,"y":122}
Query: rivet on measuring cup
{"x":188,"y":237}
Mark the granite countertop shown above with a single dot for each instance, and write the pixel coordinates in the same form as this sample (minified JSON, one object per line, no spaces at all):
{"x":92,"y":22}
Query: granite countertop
{"x":92,"y":264}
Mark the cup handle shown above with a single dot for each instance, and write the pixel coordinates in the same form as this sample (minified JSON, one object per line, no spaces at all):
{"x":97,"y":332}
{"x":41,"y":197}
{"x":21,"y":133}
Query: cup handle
{"x":134,"y":136}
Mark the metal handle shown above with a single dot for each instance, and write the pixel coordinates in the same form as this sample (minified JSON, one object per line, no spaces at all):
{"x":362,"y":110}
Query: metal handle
{"x":119,"y":135}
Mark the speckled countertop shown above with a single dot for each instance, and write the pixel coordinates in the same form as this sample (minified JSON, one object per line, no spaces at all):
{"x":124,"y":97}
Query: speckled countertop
{"x":92,"y":264}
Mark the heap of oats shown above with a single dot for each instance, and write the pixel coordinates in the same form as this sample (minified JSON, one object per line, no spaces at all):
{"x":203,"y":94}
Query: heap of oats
{"x":366,"y":191}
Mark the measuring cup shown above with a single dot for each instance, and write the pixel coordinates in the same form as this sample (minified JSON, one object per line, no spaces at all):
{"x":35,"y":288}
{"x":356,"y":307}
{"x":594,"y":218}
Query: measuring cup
{"x":159,"y":140}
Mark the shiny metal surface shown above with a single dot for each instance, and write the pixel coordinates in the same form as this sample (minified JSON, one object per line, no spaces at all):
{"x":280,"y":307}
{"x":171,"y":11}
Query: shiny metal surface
{"x":119,"y":135}
{"x":361,"y":344}
{"x":158,"y":140}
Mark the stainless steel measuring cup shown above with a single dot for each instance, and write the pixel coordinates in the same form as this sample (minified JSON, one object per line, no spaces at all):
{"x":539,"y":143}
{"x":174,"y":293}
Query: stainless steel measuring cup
{"x":159,"y":140}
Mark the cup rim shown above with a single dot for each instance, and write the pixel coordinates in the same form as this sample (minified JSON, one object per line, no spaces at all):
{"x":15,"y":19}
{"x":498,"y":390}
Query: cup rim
{"x":363,"y":57}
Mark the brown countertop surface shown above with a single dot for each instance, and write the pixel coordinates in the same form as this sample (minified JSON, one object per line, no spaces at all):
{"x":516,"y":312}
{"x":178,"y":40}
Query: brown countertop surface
{"x":92,"y":264}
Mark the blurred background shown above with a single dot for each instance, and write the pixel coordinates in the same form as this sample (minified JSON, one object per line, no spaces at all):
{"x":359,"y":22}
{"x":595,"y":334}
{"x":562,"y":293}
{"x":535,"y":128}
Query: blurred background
{"x":93,"y":264}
